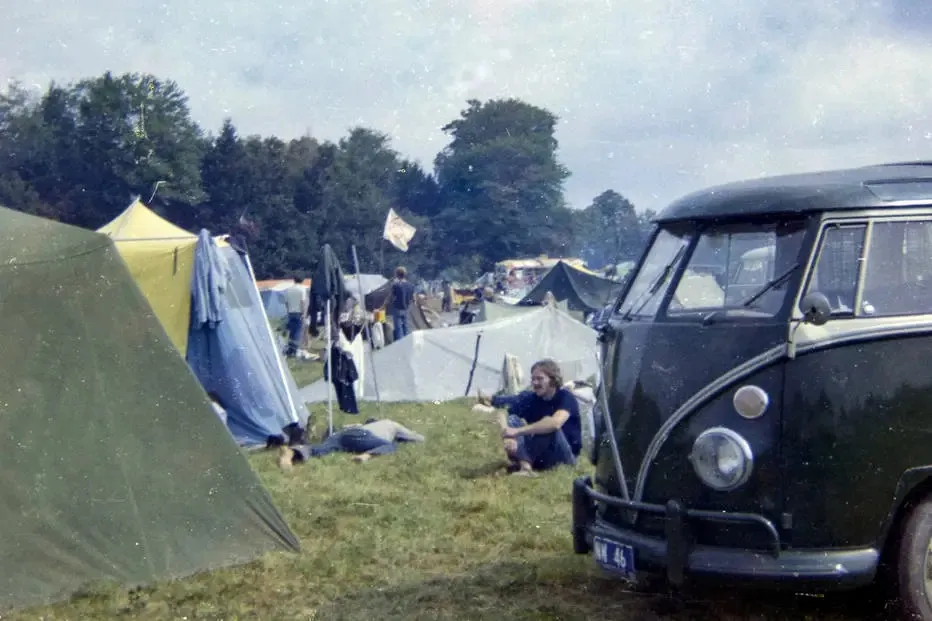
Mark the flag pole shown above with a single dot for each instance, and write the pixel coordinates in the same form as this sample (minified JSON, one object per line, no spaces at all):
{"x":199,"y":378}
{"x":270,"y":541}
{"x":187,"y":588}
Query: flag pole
{"x":375,"y":379}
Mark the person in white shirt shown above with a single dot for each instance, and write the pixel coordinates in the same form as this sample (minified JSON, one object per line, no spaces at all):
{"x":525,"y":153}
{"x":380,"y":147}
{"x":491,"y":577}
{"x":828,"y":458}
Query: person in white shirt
{"x":296,"y":299}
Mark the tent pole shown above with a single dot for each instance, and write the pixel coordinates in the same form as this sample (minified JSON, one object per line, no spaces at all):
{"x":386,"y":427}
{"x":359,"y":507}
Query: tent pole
{"x":375,"y":379}
{"x":278,"y":359}
{"x":329,"y":369}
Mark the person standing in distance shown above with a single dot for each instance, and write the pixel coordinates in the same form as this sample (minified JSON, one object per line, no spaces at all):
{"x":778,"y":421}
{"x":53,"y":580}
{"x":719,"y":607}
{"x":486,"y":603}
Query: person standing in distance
{"x":402,"y":298}
{"x":296,"y":299}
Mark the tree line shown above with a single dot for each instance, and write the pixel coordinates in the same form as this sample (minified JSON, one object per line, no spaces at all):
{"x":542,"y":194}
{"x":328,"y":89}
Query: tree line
{"x":80,"y":152}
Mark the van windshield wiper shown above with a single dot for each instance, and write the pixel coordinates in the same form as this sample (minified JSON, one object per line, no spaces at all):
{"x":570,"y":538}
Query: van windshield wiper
{"x":655,"y":286}
{"x":770,"y":285}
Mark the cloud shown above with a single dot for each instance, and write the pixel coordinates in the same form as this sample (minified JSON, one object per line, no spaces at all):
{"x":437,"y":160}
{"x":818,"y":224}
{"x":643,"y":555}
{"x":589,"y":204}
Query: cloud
{"x":656,"y":98}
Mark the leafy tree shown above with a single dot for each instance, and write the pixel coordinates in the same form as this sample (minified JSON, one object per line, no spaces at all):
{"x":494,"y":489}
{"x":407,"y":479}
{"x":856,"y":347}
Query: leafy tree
{"x":610,"y":230}
{"x":501,"y":184}
{"x":250,"y":188}
{"x":88,"y":149}
{"x":81,"y":152}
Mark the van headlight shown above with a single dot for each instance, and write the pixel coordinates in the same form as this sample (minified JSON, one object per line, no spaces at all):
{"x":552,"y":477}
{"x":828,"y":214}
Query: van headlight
{"x":722,"y":459}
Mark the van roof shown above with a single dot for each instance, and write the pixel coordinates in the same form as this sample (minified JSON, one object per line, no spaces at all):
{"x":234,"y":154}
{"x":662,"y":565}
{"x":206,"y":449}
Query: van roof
{"x":883,"y":185}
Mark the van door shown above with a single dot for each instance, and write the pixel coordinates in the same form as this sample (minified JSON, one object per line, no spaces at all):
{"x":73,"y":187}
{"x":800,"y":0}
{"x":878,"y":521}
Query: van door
{"x":856,"y":397}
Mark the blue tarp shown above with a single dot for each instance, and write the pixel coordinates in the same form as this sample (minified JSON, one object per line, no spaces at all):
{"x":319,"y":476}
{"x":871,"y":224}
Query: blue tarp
{"x":230,"y":350}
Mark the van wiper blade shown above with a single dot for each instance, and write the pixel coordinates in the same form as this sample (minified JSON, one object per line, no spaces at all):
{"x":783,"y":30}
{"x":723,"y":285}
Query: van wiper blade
{"x":770,"y":285}
{"x":655,"y":286}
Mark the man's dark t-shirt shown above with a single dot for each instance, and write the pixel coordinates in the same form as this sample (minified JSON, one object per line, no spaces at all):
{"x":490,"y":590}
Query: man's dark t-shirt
{"x":402,"y":294}
{"x":532,"y":408}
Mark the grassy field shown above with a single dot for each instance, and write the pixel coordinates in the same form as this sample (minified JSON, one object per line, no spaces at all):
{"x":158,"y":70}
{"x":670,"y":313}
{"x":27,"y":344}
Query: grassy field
{"x":431,"y":532}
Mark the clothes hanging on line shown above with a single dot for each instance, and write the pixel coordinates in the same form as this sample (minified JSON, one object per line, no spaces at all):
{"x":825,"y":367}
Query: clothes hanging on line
{"x":344,"y":375}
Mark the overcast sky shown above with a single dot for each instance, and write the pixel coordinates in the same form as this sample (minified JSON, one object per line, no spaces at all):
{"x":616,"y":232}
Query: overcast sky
{"x":656,"y":98}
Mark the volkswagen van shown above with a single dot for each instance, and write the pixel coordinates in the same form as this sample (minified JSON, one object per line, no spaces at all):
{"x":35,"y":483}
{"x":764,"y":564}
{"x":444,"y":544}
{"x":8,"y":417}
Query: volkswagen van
{"x":772,"y":428}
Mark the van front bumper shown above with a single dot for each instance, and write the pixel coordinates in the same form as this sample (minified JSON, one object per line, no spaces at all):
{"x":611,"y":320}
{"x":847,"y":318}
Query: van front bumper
{"x":677,"y":558}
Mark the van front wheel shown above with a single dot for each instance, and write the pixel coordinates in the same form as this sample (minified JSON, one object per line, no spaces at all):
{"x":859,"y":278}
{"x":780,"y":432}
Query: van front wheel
{"x":914,"y":564}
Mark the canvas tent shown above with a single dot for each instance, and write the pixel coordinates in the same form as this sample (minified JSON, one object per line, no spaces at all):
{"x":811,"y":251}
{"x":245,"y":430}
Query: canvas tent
{"x":583,"y":291}
{"x":417,"y":318}
{"x":493,"y":311}
{"x":115,"y":468}
{"x":237,"y":356}
{"x":370,"y":282}
{"x":272,"y":293}
{"x":436,"y":365}
{"x":229,"y":348}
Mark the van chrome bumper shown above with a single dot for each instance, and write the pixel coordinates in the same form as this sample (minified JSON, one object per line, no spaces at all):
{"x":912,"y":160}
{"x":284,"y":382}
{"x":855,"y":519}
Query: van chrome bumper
{"x":674,"y":555}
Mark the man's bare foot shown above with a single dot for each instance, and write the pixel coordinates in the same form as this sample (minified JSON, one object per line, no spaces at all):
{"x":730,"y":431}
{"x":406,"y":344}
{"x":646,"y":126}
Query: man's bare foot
{"x":522,"y":469}
{"x":285,"y":456}
{"x":361,"y":459}
{"x":483,"y":398}
{"x":523,"y":473}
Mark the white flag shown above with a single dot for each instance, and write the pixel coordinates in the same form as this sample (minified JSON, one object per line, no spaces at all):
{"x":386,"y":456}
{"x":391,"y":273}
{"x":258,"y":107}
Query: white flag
{"x":397,"y":231}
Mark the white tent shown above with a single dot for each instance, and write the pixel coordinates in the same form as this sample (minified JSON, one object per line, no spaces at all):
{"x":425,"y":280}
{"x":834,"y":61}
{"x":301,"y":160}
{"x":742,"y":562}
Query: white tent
{"x":435,"y":365}
{"x":370,"y":282}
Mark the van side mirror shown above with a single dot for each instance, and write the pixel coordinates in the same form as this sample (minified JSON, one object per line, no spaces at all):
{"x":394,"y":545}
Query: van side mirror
{"x":605,"y":332}
{"x":816,"y":308}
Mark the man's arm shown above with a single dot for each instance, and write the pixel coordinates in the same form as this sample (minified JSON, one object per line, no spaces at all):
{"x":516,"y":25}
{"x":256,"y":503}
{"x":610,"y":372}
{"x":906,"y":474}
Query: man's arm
{"x":406,"y":435}
{"x":515,"y":404}
{"x":547,"y":424}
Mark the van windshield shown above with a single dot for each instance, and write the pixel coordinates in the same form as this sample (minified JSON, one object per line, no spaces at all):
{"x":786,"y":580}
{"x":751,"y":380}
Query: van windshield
{"x":727,"y":267}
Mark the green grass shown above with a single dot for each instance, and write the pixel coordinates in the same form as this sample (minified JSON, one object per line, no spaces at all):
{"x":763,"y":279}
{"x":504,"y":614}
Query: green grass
{"x":306,"y":372}
{"x":428,"y":533}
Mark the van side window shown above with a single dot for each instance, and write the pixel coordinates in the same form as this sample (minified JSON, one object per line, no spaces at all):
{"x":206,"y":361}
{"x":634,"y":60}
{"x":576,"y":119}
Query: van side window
{"x":898,"y":276}
{"x":836,"y":270}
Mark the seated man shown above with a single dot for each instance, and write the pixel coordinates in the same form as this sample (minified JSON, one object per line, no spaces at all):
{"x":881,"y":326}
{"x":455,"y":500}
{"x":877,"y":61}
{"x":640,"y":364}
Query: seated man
{"x":552,"y":434}
{"x":376,"y":437}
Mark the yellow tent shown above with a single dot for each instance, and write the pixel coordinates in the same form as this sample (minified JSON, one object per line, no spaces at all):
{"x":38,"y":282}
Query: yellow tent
{"x":160,"y":256}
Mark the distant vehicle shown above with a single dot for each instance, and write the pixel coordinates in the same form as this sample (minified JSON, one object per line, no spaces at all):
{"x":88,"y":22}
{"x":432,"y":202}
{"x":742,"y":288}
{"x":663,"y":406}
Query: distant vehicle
{"x":535,"y":268}
{"x":769,"y":421}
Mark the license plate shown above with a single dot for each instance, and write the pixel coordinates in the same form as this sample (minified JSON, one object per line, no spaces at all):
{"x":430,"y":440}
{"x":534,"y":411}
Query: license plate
{"x":614,"y":557}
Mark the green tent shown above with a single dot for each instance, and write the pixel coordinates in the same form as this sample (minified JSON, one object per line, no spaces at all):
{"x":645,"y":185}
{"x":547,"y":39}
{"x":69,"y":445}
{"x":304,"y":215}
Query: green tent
{"x":583,"y":292}
{"x":113,"y":466}
{"x":493,"y":311}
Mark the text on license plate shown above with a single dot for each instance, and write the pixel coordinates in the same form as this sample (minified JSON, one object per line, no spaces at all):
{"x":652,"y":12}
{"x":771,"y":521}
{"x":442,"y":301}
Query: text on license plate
{"x":613,"y":556}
